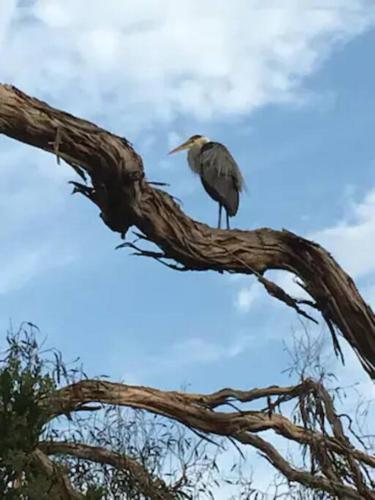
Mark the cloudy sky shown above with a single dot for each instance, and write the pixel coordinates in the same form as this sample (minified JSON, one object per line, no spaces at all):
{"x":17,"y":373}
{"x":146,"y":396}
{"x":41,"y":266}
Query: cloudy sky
{"x":288,"y":89}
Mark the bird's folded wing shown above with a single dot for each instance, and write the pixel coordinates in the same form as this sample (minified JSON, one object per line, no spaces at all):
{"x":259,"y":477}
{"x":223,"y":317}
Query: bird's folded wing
{"x":221,"y":176}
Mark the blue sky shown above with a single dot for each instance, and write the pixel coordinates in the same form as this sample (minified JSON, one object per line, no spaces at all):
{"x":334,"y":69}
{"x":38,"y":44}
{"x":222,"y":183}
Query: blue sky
{"x":289,"y":90}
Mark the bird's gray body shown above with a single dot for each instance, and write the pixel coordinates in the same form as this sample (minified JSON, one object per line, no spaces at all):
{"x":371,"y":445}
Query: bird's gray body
{"x":219,"y":173}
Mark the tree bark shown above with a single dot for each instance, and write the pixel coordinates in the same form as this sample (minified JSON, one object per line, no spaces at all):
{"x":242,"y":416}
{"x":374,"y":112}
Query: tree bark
{"x":61,"y":488}
{"x":124,"y":197}
{"x":341,"y":465}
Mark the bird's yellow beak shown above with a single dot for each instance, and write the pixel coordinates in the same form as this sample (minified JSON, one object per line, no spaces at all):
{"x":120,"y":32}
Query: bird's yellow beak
{"x":183,"y":146}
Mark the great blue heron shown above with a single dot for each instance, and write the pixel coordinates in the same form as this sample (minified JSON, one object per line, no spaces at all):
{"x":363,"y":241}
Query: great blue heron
{"x":219,"y":173}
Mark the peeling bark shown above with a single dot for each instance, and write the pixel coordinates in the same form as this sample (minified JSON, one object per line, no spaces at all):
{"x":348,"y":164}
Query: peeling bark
{"x":344,"y":477}
{"x":125,"y":198}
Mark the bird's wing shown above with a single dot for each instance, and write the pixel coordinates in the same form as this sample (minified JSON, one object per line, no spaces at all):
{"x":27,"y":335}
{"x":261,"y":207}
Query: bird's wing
{"x":221,"y":176}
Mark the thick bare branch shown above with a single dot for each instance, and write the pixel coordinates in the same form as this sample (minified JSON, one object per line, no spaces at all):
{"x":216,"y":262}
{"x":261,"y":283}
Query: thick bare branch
{"x":125,"y":199}
{"x":147,"y":485}
{"x":198,"y":412}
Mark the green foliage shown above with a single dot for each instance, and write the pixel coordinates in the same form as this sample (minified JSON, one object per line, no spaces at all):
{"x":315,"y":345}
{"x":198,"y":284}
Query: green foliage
{"x":163,"y":448}
{"x":23,"y":382}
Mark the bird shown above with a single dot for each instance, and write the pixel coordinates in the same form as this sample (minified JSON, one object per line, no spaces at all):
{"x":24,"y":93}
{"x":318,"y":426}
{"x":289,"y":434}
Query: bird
{"x":218,"y":171}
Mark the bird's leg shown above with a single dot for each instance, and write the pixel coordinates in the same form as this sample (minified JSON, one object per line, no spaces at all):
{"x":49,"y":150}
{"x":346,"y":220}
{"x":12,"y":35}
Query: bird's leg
{"x":228,"y":226}
{"x":219,"y":223}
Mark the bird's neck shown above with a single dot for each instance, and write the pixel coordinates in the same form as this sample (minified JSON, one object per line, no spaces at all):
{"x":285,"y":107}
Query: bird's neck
{"x":194,"y":152}
{"x":192,"y":157}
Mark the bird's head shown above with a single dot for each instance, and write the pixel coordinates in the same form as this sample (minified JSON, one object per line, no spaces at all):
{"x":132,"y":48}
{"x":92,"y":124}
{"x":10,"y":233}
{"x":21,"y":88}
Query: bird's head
{"x":194,"y":140}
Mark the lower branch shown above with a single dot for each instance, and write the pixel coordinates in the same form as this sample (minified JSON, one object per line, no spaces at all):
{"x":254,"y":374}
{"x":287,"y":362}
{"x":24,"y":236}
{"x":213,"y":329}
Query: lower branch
{"x":147,"y":485}
{"x":60,"y":484}
{"x":292,"y":474}
{"x":200,"y":413}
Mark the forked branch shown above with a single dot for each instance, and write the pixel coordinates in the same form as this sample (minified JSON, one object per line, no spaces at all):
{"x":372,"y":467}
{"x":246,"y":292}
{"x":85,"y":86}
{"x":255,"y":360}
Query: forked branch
{"x":322,"y":435}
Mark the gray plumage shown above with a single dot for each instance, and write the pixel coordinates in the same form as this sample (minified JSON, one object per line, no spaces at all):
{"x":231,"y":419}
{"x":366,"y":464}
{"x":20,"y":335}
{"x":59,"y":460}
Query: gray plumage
{"x":219,"y":173}
{"x":221,"y":176}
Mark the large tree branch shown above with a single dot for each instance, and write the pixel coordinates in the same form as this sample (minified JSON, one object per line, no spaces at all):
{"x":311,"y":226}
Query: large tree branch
{"x":125,"y":198}
{"x":199,"y":412}
{"x":147,"y":485}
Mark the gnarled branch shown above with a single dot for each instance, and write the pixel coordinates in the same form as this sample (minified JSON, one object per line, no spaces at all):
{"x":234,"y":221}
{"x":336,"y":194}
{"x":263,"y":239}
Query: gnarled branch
{"x":200,"y":412}
{"x":125,"y":198}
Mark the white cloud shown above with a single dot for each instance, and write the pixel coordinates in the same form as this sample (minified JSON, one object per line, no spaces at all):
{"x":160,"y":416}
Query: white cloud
{"x":192,"y":351}
{"x":200,"y":350}
{"x":153,"y":60}
{"x":247,"y":296}
{"x":352,"y":241}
